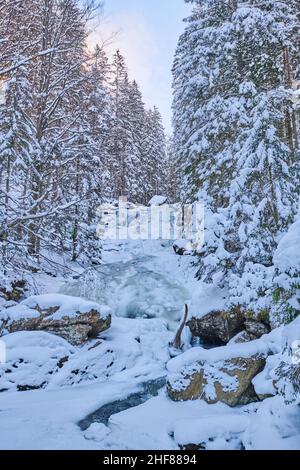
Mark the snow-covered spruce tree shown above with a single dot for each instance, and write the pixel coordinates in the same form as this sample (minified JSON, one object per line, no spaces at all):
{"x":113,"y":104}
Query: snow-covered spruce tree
{"x":205,"y":103}
{"x":236,"y":137}
{"x":263,"y":194}
{"x":17,"y":133}
{"x":206,"y":114}
{"x":172,"y":173}
{"x":262,"y":203}
{"x":136,"y":165}
{"x":17,"y":20}
{"x":138,"y":145}
{"x":17,"y":147}
{"x":80,"y":160}
{"x":154,"y":154}
{"x":79,"y":133}
{"x":121,"y":137}
{"x":98,"y":110}
{"x":57,"y":82}
{"x":92,"y":180}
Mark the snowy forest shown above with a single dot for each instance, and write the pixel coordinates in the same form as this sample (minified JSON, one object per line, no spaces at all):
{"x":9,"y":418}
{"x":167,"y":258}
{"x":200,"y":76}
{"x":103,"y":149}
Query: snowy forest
{"x":157,"y":343}
{"x":74,"y":133}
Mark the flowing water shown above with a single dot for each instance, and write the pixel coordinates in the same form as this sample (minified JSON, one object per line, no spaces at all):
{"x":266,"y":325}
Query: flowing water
{"x":149,"y":389}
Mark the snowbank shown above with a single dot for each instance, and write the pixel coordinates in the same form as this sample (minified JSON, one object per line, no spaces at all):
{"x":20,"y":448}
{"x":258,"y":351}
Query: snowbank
{"x":213,"y":432}
{"x":32,"y":358}
{"x":132,"y":351}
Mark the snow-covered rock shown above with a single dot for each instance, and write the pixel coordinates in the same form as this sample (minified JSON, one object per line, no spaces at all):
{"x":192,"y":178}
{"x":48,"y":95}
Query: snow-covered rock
{"x":217,"y":327}
{"x":242,"y":337}
{"x":32,"y":357}
{"x":74,"y":319}
{"x":11,"y":288}
{"x":207,"y":298}
{"x":264,"y":382}
{"x":132,"y":351}
{"x":218,"y":375}
{"x":273,"y":426}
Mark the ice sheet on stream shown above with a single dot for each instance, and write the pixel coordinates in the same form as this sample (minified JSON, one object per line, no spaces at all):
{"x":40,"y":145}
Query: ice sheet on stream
{"x":138,"y":284}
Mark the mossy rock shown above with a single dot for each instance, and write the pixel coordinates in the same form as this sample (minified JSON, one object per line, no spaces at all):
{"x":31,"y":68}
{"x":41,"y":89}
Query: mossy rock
{"x":228,"y":381}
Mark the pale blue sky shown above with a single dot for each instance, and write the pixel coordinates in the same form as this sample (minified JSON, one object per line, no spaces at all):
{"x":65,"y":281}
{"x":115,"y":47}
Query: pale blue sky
{"x":147,"y":37}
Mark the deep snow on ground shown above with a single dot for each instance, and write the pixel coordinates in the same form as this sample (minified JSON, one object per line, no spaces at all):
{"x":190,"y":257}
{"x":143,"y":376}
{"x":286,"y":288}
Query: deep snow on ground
{"x":146,"y":280}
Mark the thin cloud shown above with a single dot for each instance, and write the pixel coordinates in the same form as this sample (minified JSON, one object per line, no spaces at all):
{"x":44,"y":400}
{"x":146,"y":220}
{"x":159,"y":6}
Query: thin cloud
{"x":130,"y":33}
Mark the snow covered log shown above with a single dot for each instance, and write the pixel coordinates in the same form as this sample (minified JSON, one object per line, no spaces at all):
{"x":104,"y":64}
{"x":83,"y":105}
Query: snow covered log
{"x":72,"y":318}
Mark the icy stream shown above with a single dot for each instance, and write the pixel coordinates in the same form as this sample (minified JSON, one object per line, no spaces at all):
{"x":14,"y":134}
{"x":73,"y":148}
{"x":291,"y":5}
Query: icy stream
{"x":143,"y":280}
{"x":136,"y":284}
{"x":149,"y":389}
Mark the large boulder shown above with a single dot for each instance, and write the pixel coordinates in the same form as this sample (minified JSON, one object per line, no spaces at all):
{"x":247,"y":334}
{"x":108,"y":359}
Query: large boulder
{"x":217,"y":327}
{"x":221,"y":375}
{"x":72,"y":318}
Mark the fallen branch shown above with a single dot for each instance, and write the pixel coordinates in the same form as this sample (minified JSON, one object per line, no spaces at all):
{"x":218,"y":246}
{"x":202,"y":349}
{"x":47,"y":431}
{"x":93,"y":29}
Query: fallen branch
{"x":177,"y":341}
